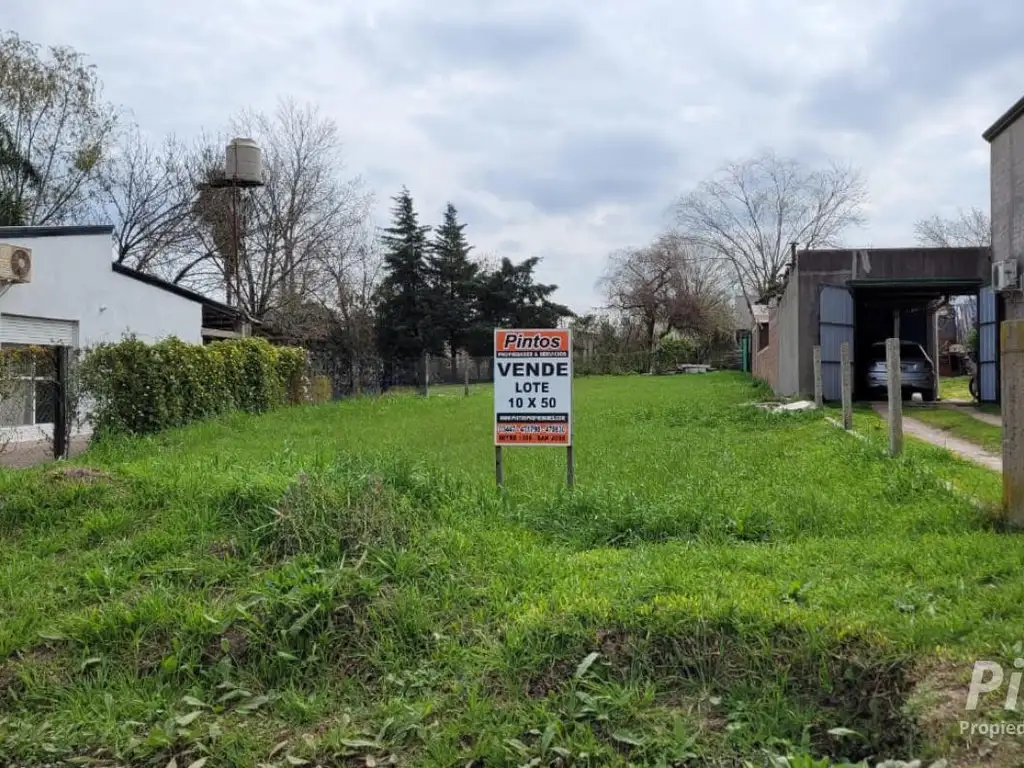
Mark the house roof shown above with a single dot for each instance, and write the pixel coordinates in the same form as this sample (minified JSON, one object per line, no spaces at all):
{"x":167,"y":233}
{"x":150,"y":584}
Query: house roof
{"x":1007,"y":119}
{"x":174,"y":288}
{"x":24,"y":232}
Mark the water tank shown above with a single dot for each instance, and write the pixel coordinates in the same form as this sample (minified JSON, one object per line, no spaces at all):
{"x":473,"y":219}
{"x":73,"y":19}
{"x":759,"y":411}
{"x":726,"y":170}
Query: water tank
{"x":244,"y":162}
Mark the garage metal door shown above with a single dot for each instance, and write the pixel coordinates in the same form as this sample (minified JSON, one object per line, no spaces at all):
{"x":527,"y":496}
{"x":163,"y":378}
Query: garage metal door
{"x":988,"y":345}
{"x":19,"y":329}
{"x":835,"y":312}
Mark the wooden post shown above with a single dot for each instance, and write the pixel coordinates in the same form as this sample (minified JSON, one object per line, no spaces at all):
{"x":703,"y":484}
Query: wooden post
{"x":892,"y":366}
{"x":818,"y":399}
{"x":61,"y":406}
{"x":570,"y":467}
{"x":465,"y":376}
{"x":499,"y":467}
{"x":846,"y":373}
{"x":426,"y":374}
{"x":1011,"y":386}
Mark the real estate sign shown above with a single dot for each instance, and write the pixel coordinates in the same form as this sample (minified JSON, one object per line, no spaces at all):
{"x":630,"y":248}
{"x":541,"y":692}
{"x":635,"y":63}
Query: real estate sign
{"x":532,"y":387}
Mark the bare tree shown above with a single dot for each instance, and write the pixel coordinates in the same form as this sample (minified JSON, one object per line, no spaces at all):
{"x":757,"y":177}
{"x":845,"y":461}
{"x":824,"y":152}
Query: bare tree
{"x":149,"y":195}
{"x":749,"y":212}
{"x":306,"y":211}
{"x":354,"y":271}
{"x":672,"y":284}
{"x":54,"y":117}
{"x":968,"y":228}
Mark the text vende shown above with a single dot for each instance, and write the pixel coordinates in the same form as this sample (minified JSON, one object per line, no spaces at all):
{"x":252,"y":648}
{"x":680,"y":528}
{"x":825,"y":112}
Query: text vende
{"x":533,"y":369}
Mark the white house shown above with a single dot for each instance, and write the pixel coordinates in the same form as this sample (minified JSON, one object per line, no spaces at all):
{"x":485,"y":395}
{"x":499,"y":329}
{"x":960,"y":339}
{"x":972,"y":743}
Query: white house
{"x":76,"y":297}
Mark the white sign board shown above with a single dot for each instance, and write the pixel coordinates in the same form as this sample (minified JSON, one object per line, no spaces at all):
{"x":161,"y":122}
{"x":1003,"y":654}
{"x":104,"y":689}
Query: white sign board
{"x":532,"y":387}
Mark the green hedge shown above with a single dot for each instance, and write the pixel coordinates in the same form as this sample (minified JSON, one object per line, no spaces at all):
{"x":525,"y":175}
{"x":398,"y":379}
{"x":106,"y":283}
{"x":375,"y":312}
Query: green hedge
{"x":138,"y":388}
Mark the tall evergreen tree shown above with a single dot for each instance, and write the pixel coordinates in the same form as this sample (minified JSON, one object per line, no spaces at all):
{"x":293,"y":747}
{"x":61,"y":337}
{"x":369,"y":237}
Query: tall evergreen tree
{"x":509,"y":297}
{"x":404,"y":304}
{"x":454,"y":283}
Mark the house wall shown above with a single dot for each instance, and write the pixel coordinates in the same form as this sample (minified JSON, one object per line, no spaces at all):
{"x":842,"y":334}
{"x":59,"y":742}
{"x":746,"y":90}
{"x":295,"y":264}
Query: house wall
{"x":1007,"y":186}
{"x":787,"y":324}
{"x":72,"y":280}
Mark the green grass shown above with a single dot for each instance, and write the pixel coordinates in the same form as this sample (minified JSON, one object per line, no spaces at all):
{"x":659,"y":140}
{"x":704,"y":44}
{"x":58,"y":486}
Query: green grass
{"x":955,"y":388}
{"x":962,"y":425}
{"x":335,"y":582}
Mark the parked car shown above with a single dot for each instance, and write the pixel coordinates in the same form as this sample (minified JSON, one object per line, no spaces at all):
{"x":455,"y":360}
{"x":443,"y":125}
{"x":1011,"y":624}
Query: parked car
{"x":917,"y":371}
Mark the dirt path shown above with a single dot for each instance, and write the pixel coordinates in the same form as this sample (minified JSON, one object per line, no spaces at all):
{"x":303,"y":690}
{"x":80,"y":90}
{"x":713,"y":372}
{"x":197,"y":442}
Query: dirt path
{"x":988,"y":418}
{"x":962,"y":448}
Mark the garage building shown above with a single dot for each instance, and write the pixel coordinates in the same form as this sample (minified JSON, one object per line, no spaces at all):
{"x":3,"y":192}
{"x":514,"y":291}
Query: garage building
{"x":862,"y":296}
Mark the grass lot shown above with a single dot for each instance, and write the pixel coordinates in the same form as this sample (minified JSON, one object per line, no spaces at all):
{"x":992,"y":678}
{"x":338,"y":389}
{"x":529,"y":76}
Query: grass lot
{"x":955,"y":388}
{"x":962,"y":425}
{"x":338,"y":582}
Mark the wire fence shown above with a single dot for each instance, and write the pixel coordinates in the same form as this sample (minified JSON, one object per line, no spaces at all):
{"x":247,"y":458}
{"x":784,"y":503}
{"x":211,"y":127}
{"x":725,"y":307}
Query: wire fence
{"x":374,"y":376}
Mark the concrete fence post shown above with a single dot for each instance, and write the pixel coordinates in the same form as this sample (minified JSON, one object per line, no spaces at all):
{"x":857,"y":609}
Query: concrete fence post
{"x":892,"y":369}
{"x":846,"y":374}
{"x":1011,"y":396}
{"x":818,"y":399}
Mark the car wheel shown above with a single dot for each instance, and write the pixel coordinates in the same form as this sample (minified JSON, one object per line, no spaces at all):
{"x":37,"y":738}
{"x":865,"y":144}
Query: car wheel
{"x":928,"y":395}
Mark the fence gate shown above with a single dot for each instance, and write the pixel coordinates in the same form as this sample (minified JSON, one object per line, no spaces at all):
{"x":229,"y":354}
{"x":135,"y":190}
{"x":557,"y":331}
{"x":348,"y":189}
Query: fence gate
{"x":988,"y":345}
{"x":835,"y":325}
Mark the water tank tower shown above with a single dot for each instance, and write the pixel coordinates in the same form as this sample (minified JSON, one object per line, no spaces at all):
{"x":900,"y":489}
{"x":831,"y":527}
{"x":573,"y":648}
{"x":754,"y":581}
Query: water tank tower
{"x":243,"y":164}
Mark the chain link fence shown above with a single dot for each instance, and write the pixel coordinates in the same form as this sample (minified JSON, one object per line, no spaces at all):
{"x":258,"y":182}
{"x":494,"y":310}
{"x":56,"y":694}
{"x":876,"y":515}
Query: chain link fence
{"x":372,"y":376}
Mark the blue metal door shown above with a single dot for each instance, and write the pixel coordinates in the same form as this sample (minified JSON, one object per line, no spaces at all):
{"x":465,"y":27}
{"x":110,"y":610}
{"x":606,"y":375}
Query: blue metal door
{"x":835,"y":326}
{"x":988,"y":345}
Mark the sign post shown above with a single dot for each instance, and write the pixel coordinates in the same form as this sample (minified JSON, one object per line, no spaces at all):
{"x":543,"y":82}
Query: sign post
{"x":532,"y":392}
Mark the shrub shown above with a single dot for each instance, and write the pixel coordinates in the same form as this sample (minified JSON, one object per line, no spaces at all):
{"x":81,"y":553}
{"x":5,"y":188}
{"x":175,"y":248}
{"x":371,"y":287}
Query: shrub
{"x":137,"y":388}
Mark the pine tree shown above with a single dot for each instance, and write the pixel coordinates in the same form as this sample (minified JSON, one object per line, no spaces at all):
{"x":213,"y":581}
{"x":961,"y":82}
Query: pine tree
{"x":508,"y":297}
{"x":454,"y":283}
{"x":404,"y":307}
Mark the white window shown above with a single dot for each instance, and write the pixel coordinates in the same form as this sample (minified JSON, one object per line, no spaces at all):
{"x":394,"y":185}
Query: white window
{"x":28,"y":388}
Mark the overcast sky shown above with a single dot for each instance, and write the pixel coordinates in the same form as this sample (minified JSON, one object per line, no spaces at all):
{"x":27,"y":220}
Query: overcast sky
{"x":565,"y":128}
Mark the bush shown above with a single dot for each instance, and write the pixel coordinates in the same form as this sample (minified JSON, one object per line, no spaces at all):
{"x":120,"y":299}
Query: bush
{"x":137,"y":388}
{"x":674,"y":350}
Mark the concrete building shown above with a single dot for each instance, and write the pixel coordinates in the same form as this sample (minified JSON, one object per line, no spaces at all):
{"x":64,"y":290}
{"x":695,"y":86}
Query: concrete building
{"x":77,"y":297}
{"x":856,"y":296}
{"x":1006,"y":140}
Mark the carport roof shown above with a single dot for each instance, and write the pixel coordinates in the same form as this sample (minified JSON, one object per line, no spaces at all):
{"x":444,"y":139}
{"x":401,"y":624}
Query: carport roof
{"x":931,"y":284}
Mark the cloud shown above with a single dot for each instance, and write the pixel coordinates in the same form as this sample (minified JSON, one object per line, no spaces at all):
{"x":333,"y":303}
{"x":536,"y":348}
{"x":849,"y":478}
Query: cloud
{"x":932,"y":51}
{"x":589,"y":169}
{"x":565,"y":130}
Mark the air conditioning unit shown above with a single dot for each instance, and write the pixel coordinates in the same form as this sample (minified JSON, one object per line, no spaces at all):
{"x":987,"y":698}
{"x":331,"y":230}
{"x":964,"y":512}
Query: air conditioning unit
{"x":1004,"y":276}
{"x":15,"y":264}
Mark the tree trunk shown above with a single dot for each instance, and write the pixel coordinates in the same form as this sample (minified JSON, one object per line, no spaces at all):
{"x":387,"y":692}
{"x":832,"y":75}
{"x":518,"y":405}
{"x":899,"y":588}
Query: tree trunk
{"x":652,"y":343}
